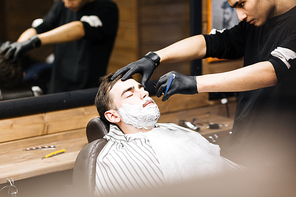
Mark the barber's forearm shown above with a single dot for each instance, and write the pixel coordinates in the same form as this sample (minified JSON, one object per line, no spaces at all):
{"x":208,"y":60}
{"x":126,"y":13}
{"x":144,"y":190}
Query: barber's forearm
{"x":185,"y":50}
{"x":65,"y":33}
{"x":27,"y":34}
{"x":252,"y":77}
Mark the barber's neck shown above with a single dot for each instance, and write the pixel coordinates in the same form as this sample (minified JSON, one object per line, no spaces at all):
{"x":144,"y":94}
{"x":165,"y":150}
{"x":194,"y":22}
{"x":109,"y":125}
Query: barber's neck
{"x":129,"y":129}
{"x":282,"y":6}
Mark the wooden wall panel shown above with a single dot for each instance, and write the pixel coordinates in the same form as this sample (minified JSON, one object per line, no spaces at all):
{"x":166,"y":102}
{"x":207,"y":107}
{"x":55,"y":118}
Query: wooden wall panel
{"x":23,"y":131}
{"x":69,"y":119}
{"x":68,"y":124}
{"x":127,"y":41}
{"x":181,"y":102}
{"x":19,"y":128}
{"x":19,"y":15}
{"x":47,"y":123}
{"x":162,"y":23}
{"x":12,"y":122}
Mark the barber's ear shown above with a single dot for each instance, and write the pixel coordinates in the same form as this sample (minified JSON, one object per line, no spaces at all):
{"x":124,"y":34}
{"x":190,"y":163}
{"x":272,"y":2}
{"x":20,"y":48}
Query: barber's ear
{"x":112,"y":116}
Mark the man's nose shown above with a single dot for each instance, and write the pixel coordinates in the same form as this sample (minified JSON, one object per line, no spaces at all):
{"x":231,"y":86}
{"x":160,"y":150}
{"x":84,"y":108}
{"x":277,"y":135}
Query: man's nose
{"x":241,"y":14}
{"x":143,"y":94}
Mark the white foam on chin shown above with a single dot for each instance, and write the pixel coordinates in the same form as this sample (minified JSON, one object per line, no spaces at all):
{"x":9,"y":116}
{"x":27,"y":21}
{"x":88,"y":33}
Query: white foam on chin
{"x":139,"y":117}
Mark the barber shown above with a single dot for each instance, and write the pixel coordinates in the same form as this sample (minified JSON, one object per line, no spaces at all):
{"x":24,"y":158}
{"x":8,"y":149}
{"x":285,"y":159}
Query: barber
{"x":84,"y":32}
{"x":264,"y":130}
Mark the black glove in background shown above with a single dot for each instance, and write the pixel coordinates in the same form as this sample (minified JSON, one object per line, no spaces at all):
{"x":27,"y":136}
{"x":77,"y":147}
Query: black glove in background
{"x":182,"y":84}
{"x":15,"y":49}
{"x":145,"y":66}
{"x":4,"y":47}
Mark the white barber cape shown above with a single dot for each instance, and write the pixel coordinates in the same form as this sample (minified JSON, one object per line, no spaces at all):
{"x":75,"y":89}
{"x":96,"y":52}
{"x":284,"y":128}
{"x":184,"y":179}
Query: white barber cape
{"x":166,"y":154}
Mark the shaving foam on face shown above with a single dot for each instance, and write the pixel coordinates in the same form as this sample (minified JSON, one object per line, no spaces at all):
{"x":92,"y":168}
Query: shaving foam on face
{"x":139,"y":116}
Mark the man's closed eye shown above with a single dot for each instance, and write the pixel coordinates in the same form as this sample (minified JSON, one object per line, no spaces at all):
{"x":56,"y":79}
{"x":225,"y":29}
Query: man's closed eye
{"x":129,"y":95}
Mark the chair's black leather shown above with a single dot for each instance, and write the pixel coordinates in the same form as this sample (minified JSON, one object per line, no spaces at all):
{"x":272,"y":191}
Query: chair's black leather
{"x":84,"y":171}
{"x":96,"y":129}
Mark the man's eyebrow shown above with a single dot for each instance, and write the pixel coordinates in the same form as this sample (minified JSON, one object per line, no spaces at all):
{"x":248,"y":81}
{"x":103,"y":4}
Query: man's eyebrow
{"x":126,"y":90}
{"x":233,"y":6}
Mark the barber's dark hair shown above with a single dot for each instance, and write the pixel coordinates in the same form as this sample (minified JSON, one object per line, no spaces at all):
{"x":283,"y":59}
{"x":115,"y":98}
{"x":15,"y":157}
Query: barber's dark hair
{"x":11,"y":72}
{"x":103,"y":102}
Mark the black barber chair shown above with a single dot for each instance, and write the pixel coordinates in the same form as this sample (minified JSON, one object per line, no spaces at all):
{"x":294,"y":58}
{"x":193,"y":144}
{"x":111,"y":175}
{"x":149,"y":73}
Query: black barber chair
{"x":84,"y":171}
{"x":21,"y":92}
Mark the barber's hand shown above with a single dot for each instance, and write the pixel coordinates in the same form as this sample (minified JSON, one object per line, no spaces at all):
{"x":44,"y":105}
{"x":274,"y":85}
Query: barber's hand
{"x":4,"y":46}
{"x":15,"y":49}
{"x":145,"y":66}
{"x":182,"y":84}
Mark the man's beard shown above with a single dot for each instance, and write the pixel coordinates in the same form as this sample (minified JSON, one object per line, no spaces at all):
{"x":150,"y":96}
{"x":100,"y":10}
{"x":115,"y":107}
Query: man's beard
{"x":139,"y":116}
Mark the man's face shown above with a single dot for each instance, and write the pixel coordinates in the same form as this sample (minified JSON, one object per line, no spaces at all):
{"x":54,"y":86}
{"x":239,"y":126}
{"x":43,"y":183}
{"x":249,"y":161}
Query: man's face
{"x":133,"y":104}
{"x":128,"y":92}
{"x":75,"y":5}
{"x":253,"y":11}
{"x":227,"y":14}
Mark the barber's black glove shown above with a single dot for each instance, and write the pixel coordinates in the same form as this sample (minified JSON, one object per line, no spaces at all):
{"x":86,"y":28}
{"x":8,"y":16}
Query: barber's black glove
{"x":145,"y":66}
{"x":181,"y":84}
{"x":4,"y":47}
{"x":15,"y":49}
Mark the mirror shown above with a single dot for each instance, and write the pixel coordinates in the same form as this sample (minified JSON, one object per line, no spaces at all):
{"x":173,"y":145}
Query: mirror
{"x":128,"y":47}
{"x":15,"y":20}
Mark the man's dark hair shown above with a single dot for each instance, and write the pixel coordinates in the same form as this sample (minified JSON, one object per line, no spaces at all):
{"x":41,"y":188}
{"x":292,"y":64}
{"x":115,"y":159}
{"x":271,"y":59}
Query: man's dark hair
{"x":103,"y":102}
{"x":11,"y":73}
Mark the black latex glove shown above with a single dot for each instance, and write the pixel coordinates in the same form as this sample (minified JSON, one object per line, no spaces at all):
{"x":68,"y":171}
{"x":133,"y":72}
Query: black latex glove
{"x":4,"y":46}
{"x":145,"y":66}
{"x":182,"y":84}
{"x":14,"y":50}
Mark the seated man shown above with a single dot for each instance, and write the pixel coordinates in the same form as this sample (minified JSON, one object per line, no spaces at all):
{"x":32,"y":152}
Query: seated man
{"x":142,"y":154}
{"x":11,"y":78}
{"x":11,"y":73}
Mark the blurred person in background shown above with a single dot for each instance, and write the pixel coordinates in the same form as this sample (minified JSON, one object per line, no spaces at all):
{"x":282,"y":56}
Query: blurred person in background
{"x":83,"y":32}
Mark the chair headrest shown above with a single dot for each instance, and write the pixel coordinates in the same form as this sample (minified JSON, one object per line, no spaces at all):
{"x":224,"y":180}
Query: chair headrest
{"x":96,"y":129}
{"x":7,"y":94}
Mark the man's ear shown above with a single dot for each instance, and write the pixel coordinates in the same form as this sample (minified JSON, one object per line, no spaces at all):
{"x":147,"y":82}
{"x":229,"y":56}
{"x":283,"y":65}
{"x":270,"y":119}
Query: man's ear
{"x":112,"y":116}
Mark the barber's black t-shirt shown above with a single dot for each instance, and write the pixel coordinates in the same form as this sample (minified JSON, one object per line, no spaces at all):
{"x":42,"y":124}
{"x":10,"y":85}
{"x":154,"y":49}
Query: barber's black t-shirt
{"x":80,"y":64}
{"x":265,"y":121}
